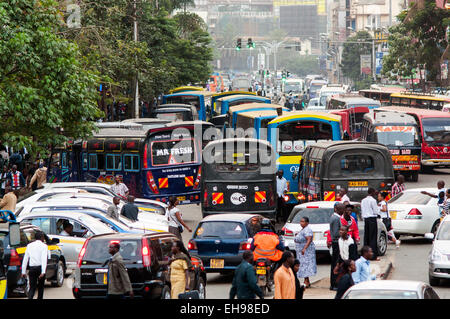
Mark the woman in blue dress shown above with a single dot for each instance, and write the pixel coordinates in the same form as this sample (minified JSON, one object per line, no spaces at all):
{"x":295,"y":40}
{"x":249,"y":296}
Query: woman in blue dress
{"x":306,"y":252}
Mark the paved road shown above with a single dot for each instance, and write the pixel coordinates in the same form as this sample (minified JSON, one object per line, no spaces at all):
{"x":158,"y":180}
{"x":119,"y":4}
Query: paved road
{"x":410,"y":260}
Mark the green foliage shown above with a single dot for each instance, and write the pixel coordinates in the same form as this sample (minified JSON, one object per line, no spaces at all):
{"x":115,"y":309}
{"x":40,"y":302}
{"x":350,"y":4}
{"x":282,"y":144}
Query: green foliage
{"x":351,"y":55}
{"x":46,"y":95}
{"x":300,"y":65}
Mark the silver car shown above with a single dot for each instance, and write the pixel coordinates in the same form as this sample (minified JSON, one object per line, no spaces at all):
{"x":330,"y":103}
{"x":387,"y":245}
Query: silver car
{"x":439,"y":257}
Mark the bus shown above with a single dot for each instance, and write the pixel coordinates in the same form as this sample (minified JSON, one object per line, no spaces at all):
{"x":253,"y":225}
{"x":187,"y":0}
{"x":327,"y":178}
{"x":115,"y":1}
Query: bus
{"x":351,"y":120}
{"x":289,"y":135}
{"x":346,"y":101}
{"x":217,"y":96}
{"x":186,"y":89}
{"x":200,"y":99}
{"x":216,"y":83}
{"x":382,"y":94}
{"x":249,"y":107}
{"x":314,"y":88}
{"x":258,"y":120}
{"x":330,"y":89}
{"x":420,"y":100}
{"x":294,"y":86}
{"x":434,"y":130}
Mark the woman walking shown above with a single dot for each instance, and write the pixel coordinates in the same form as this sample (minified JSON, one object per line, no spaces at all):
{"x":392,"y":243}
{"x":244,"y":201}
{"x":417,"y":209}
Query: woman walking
{"x":384,"y":213}
{"x":176,"y":222}
{"x":344,"y":279}
{"x":179,"y":270}
{"x":306,"y":252}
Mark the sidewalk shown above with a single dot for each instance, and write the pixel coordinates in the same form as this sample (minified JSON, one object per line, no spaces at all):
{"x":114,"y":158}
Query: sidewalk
{"x":320,"y":289}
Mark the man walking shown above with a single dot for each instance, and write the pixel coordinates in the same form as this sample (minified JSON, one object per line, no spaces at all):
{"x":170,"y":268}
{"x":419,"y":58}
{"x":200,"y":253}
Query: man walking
{"x":39,"y":177}
{"x":369,"y":213}
{"x":35,"y":258}
{"x":118,"y":280}
{"x":9,"y":201}
{"x":281,"y":191}
{"x":130,"y":210}
{"x":244,"y":281}
{"x":362,"y":272}
{"x":113,"y":210}
{"x":335,"y":226}
{"x":284,"y":277}
{"x":16,"y":178}
{"x":120,"y":188}
{"x":399,"y":185}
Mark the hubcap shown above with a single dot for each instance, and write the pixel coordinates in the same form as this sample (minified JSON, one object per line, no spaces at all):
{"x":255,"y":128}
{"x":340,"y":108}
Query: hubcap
{"x":60,"y":273}
{"x":382,"y":247}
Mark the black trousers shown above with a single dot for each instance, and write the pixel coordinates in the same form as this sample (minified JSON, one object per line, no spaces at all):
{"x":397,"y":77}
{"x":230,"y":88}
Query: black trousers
{"x":280,"y":208}
{"x":35,"y":282}
{"x":334,"y":261}
{"x":371,"y":234}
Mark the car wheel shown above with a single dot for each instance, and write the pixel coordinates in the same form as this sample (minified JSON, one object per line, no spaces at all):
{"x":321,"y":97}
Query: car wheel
{"x":201,"y":289}
{"x":433,"y":281}
{"x":382,"y":244}
{"x":59,"y":278}
{"x":166,"y":293}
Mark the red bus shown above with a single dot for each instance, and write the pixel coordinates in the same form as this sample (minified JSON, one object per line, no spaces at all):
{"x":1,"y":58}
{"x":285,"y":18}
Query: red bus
{"x":434,"y":129}
{"x":352,"y":120}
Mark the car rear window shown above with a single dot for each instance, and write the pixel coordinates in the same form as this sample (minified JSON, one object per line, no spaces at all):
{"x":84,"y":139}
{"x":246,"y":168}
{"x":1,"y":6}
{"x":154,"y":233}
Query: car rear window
{"x":97,"y":251}
{"x":410,"y":198}
{"x":381,"y":294}
{"x":221,"y":229}
{"x":315,"y":215}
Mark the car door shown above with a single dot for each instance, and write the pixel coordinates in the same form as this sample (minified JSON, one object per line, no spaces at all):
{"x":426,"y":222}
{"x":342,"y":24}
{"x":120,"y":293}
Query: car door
{"x":157,"y":267}
{"x":70,"y":245}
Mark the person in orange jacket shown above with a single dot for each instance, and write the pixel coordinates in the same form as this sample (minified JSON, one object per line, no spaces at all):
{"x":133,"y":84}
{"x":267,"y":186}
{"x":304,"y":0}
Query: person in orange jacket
{"x":267,"y":244}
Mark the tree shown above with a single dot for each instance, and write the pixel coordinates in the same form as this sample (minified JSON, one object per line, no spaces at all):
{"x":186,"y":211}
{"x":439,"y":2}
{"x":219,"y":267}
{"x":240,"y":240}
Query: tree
{"x":46,"y":95}
{"x":351,"y":55}
{"x":300,"y":65}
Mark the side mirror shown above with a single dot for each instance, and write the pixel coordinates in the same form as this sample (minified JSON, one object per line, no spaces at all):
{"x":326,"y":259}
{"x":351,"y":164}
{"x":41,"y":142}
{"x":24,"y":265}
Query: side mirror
{"x":14,"y":234}
{"x":429,"y":236}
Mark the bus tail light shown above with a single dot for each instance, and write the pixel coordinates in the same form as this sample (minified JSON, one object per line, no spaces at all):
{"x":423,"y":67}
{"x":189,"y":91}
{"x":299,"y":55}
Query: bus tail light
{"x":14,"y":259}
{"x":82,"y":252}
{"x":199,"y":176}
{"x":145,"y":156}
{"x":205,"y":199}
{"x":151,"y":183}
{"x":414,"y":214}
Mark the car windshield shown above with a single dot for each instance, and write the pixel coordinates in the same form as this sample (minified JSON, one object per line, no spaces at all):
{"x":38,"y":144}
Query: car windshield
{"x":381,"y":294}
{"x":397,"y":135}
{"x":416,"y":198}
{"x":444,"y":231}
{"x":436,"y":131}
{"x":315,"y":215}
{"x":220,"y":229}
{"x":97,"y":251}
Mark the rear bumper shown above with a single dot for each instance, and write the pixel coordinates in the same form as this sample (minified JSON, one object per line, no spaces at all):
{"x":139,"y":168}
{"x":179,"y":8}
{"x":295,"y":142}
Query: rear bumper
{"x":190,"y":197}
{"x":410,"y":227}
{"x":99,"y":291}
{"x":436,"y":162}
{"x":230,"y":261}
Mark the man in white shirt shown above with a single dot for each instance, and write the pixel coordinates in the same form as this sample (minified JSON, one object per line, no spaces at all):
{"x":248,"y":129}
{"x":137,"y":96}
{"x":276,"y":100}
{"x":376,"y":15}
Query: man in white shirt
{"x":35,"y":257}
{"x":120,"y":188}
{"x":369,"y":212}
{"x":281,"y":191}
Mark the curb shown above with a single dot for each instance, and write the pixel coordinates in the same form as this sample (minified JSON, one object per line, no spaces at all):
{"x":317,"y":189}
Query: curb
{"x":388,"y":271}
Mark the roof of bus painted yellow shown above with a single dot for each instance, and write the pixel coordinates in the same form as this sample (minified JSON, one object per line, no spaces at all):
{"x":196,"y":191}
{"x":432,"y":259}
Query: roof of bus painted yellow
{"x":417,"y":111}
{"x":204,"y":93}
{"x":255,"y":105}
{"x":261,"y":113}
{"x":230,"y":93}
{"x":422,"y":96}
{"x":186,"y":88}
{"x":301,"y":114}
{"x":242,"y":96}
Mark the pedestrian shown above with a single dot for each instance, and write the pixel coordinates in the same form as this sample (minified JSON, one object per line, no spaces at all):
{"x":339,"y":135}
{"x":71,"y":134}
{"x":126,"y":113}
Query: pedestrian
{"x":299,"y":288}
{"x":120,"y":188}
{"x":446,"y":205}
{"x":282,"y":189}
{"x":384,"y":214}
{"x":349,"y":220}
{"x":16,"y":178}
{"x":399,"y":185}
{"x":113,"y":210}
{"x":362,"y":272}
{"x":35,"y":260}
{"x":344,"y":199}
{"x":345,"y":280}
{"x":176,"y":222}
{"x":130,"y":210}
{"x":441,"y":188}
{"x":346,"y":246}
{"x":3,"y":180}
{"x":244,"y":284}
{"x":335,"y":226}
{"x":118,"y":280}
{"x":180,"y":264}
{"x":9,"y":201}
{"x":284,"y":278}
{"x":39,"y":177}
{"x":306,"y":252}
{"x":369,"y":212}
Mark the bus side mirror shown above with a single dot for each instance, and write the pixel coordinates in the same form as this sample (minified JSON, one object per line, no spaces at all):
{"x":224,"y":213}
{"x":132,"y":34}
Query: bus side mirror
{"x":14,"y":234}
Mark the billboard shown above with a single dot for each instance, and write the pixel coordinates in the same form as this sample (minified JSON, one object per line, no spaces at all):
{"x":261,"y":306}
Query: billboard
{"x":366,"y":64}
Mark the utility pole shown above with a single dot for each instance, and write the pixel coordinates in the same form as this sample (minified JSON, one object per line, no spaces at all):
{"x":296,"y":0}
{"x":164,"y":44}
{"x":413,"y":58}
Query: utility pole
{"x":136,"y":86}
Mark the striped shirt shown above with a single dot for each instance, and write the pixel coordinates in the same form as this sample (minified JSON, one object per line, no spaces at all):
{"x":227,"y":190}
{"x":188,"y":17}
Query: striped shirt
{"x":397,"y":188}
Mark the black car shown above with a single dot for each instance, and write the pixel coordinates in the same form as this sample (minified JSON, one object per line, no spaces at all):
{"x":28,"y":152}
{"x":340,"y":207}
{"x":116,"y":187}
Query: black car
{"x":12,"y":259}
{"x":146,"y":258}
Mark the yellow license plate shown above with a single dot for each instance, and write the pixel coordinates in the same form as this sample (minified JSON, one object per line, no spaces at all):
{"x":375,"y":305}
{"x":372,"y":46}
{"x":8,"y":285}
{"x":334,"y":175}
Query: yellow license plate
{"x":358,"y":184}
{"x":105,"y":279}
{"x":393,"y":214}
{"x":261,"y":271}
{"x":181,"y":198}
{"x":217,"y":263}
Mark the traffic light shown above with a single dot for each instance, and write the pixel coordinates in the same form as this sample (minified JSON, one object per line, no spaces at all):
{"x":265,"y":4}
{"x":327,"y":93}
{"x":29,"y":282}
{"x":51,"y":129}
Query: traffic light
{"x":250,"y":43}
{"x":239,"y":44}
{"x":298,"y":46}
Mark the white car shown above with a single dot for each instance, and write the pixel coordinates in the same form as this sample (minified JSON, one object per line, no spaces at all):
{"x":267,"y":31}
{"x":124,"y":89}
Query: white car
{"x":146,"y":221}
{"x":40,"y":194}
{"x":390,"y":289}
{"x":319,"y":214}
{"x":414,"y":213}
{"x":439,"y":257}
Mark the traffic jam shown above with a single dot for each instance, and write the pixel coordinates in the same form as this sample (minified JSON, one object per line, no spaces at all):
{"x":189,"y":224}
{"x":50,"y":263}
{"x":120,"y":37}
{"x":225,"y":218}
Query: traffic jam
{"x":209,"y":173}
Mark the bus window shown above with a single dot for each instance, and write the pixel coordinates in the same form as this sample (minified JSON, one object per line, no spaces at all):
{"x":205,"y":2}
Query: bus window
{"x":351,"y":164}
{"x":96,"y":162}
{"x":131,"y":162}
{"x":64,"y":160}
{"x":113,"y":162}
{"x":173,"y":152}
{"x":84,"y":162}
{"x":397,"y":135}
{"x":241,"y":160}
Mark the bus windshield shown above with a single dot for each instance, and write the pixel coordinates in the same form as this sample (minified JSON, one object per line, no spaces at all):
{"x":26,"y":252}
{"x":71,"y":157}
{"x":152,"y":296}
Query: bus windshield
{"x":173,"y":152}
{"x":173,"y":116}
{"x":184,"y":99}
{"x":240,"y":159}
{"x":315,"y":87}
{"x":293,"y":87}
{"x":397,"y":135}
{"x":436,"y":131}
{"x":295,"y":136}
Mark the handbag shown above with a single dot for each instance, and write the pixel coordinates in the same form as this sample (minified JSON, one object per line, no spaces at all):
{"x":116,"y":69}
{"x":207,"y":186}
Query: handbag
{"x":193,"y":294}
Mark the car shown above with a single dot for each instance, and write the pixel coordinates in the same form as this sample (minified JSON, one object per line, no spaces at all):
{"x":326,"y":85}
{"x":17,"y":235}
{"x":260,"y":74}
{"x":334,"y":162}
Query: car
{"x":146,"y":221}
{"x":319,"y":214}
{"x":391,"y":289}
{"x":414,"y":213}
{"x":439,"y":257}
{"x":51,"y":223}
{"x":220,"y":240}
{"x":12,"y":258}
{"x":147,"y":259}
{"x":314,"y":102}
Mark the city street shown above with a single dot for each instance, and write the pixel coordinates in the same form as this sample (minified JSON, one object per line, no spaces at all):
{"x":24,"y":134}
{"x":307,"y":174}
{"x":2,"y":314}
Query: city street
{"x":409,"y":261}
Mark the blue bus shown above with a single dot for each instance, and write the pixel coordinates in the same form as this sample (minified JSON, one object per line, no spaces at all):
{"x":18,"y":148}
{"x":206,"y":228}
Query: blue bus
{"x":200,"y":99}
{"x":257,"y":120}
{"x":220,"y":95}
{"x":234,"y":111}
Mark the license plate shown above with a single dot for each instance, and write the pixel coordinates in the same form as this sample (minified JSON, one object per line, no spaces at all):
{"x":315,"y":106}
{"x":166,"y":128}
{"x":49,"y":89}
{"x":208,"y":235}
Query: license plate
{"x":181,"y":198}
{"x":393,"y":214}
{"x":358,"y":184}
{"x":261,"y":271}
{"x":217,"y":263}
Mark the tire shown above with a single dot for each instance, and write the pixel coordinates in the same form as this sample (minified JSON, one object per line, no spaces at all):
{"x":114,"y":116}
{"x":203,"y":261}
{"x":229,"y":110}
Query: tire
{"x":201,"y":287}
{"x":60,"y":274}
{"x":433,"y":281}
{"x":264,"y":290}
{"x":166,"y":293}
{"x":382,"y":244}
{"x":415,"y":176}
{"x":435,"y":228}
